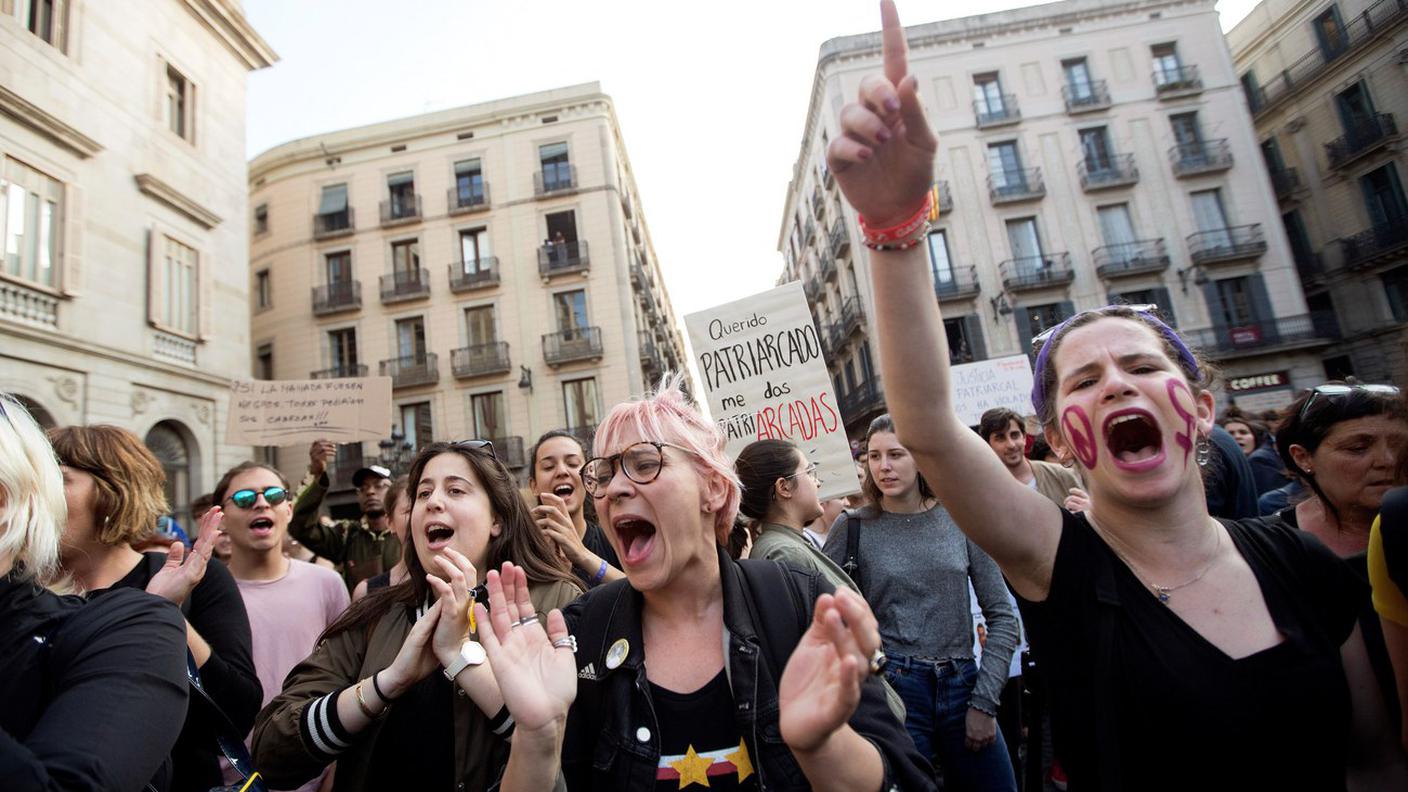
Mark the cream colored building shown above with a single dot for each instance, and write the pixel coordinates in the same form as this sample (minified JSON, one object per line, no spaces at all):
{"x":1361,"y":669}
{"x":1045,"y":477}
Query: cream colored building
{"x":1089,"y":152}
{"x":492,"y":259}
{"x":1327,"y":85}
{"x":124,"y":286}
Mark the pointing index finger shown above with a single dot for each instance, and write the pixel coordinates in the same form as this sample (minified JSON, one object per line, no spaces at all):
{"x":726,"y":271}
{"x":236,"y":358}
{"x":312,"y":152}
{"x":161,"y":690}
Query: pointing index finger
{"x":893,"y":47}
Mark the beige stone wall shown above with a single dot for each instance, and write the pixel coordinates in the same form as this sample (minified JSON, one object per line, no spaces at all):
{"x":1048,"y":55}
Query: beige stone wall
{"x":89,"y":114}
{"x":506,"y":136}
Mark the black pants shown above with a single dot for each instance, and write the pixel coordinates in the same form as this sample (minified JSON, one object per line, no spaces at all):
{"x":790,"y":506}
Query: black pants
{"x":1009,"y":720}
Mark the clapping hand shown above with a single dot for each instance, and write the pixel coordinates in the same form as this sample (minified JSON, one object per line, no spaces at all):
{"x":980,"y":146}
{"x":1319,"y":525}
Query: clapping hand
{"x":884,"y":158}
{"x":183,"y":571}
{"x":552,"y":518}
{"x":538,"y":679}
{"x":821,"y":685}
{"x":454,"y":596}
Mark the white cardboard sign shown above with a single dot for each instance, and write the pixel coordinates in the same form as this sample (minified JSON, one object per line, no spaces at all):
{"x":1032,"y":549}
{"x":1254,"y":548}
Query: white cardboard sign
{"x":999,"y":382}
{"x":290,"y":412}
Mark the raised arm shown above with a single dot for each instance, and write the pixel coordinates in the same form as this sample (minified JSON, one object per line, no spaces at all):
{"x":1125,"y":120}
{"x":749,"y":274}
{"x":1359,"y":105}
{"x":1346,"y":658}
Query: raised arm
{"x":306,"y":526}
{"x":884,"y":162}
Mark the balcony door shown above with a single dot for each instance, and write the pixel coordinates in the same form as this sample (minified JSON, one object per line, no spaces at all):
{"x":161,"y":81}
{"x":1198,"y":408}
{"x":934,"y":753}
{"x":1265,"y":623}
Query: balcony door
{"x":1005,"y":165}
{"x":410,"y":340}
{"x":479,"y":325}
{"x":939,"y":263}
{"x":1026,"y":245}
{"x":488,"y":415}
{"x":1078,"y":84}
{"x":342,"y":351}
{"x":339,"y":269}
{"x":415,"y":425}
{"x":1354,"y":105}
{"x":1383,"y":197}
{"x":1211,"y":219}
{"x":1095,"y":145}
{"x":1167,"y":67}
{"x":571,"y":312}
{"x":474,"y":250}
{"x":580,"y":402}
{"x":1117,"y":229}
{"x":402,"y":188}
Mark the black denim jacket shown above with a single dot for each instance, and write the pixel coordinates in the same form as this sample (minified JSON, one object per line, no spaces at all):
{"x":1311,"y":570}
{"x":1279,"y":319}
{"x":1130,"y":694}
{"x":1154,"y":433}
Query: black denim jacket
{"x":612,"y":737}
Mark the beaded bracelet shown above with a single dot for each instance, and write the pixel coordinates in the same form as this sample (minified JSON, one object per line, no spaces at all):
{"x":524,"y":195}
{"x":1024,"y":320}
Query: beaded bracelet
{"x":600,"y":574}
{"x":907,"y":233}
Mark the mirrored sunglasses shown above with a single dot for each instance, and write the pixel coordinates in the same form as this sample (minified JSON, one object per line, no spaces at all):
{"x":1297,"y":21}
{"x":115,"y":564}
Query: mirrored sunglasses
{"x":246,"y":498}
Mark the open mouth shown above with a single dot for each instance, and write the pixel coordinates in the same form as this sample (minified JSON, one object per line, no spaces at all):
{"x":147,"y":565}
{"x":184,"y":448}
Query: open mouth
{"x":438,"y":536}
{"x":261,"y":526}
{"x":1134,"y":439}
{"x":564,"y":491}
{"x":637,"y":538}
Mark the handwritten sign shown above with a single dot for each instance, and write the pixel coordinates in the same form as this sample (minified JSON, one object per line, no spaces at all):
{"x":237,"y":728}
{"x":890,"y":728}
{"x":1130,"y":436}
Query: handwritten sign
{"x":1000,"y":382}
{"x":764,"y":377}
{"x":290,"y":412}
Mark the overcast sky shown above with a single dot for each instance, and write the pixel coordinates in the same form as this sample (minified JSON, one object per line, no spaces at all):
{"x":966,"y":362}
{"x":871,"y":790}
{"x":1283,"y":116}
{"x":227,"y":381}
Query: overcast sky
{"x":711,"y":97}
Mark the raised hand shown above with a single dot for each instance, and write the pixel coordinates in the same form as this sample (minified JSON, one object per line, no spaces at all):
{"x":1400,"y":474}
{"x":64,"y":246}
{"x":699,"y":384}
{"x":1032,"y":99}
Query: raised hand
{"x":415,"y":661}
{"x":820,"y":687}
{"x":884,"y":157}
{"x":320,"y":453}
{"x":538,"y":680}
{"x":183,"y":571}
{"x":1078,"y":501}
{"x":453,"y":594}
{"x":552,"y":518}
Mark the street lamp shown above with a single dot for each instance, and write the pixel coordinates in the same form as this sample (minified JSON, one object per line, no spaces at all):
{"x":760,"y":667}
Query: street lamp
{"x":396,"y":453}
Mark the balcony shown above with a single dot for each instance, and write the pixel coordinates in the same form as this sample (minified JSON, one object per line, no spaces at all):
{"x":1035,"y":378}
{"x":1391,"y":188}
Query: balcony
{"x":999,"y":113}
{"x":648,"y":353}
{"x":851,"y":318}
{"x":555,"y":179}
{"x":1036,"y":272}
{"x":1379,"y":19}
{"x":562,"y":258}
{"x":957,"y":284}
{"x":509,"y":450}
{"x":405,"y":285}
{"x":1117,"y":170}
{"x":812,"y":288}
{"x":823,"y":336}
{"x":400,"y":210}
{"x":1016,"y":186}
{"x":1200,"y":156}
{"x":640,"y":276}
{"x":337,"y":297}
{"x":340,"y":372}
{"x":1130,"y":258}
{"x":468,"y":199}
{"x":839,"y":239}
{"x":836,"y":337}
{"x":480,"y":360}
{"x":1176,"y":82}
{"x":1264,"y":336}
{"x":567,"y":346}
{"x":1365,"y":135}
{"x":818,"y":203}
{"x":334,"y":224}
{"x":1085,"y":97}
{"x":827,"y":177}
{"x":826,"y":267}
{"x":468,"y":276}
{"x":862,"y":402}
{"x":1233,"y":243}
{"x":1285,"y":182}
{"x":1375,"y":246}
{"x":945,"y":197}
{"x":412,"y":370}
{"x":808,"y":231}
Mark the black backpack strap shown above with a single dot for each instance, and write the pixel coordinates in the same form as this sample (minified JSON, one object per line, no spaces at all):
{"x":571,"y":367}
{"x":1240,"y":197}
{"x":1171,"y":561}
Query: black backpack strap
{"x":851,"y":566}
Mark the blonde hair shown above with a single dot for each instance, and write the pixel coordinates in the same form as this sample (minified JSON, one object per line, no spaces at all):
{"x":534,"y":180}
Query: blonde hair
{"x":130,"y":481}
{"x":33,"y":511}
{"x":668,"y":415}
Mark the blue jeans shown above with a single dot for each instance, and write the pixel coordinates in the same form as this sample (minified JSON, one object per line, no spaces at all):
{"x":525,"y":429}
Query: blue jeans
{"x":936,"y":696}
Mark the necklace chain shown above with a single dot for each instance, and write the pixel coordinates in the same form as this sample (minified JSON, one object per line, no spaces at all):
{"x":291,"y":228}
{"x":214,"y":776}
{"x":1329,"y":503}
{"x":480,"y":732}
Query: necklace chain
{"x":1163,"y":592}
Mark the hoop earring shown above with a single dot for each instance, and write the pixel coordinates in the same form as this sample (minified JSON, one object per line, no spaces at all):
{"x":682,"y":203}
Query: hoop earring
{"x":1203,"y":452}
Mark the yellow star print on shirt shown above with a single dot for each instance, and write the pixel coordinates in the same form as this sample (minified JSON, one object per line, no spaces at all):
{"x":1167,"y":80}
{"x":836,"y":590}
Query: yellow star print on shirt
{"x":740,"y":761}
{"x":693,"y":768}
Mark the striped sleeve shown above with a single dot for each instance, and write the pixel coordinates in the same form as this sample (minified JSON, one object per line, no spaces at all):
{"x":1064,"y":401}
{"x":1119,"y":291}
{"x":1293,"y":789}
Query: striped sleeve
{"x":502,"y":725}
{"x":323,"y":733}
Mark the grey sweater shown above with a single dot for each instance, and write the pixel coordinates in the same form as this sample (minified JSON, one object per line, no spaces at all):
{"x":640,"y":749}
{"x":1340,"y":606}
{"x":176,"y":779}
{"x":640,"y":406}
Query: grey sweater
{"x":914,"y":572}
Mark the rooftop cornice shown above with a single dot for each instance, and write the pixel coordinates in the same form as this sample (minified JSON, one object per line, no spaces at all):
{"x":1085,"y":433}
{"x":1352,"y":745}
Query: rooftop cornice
{"x":224,"y":19}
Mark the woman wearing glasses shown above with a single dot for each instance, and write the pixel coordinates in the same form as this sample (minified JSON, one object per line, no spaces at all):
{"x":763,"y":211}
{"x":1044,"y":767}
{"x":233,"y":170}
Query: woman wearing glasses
{"x":114,"y":489}
{"x":678,"y":677}
{"x":779,"y":491}
{"x":1182,"y":652}
{"x":395,"y":692}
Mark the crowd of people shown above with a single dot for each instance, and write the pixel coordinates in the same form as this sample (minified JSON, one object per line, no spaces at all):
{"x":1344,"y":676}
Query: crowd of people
{"x":1170,"y":598}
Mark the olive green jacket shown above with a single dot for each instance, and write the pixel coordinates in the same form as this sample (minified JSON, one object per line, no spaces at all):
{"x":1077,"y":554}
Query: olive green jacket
{"x":780,"y":543}
{"x":358,"y":551}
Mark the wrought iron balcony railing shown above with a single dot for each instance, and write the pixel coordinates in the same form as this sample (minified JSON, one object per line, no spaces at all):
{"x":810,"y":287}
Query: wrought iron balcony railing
{"x":335,"y":297}
{"x":1036,"y":272}
{"x":582,"y":343}
{"x":1233,"y":243}
{"x":480,"y":359}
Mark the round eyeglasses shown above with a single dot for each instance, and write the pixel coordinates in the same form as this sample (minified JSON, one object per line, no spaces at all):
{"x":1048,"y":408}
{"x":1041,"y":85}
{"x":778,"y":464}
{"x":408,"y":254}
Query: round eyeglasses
{"x":246,"y":498}
{"x":641,"y":462}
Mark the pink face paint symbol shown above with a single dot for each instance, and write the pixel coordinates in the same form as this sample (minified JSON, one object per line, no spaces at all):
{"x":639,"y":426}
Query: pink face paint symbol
{"x":1184,"y":438}
{"x":1082,"y":442}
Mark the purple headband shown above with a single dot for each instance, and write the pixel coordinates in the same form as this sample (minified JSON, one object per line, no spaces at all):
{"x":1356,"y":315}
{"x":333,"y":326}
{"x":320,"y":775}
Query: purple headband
{"x":1185,"y":355}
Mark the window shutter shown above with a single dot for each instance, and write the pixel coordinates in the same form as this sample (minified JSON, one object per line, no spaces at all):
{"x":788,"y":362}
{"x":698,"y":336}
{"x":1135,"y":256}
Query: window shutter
{"x":154,"y":279}
{"x":205,"y":296}
{"x":398,"y":179}
{"x":1219,"y":317}
{"x":71,"y":276}
{"x":334,"y":199}
{"x":424,"y":434}
{"x":1261,"y":307}
{"x":1024,"y":330}
{"x":973,"y":327}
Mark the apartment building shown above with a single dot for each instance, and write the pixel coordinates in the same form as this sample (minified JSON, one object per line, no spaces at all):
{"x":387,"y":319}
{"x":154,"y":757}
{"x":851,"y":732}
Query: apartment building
{"x":1089,"y":152}
{"x":124,"y":285}
{"x":493,"y":260}
{"x":1324,"y":82}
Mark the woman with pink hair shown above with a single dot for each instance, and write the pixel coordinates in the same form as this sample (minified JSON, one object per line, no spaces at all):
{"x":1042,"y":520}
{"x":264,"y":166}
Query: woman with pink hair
{"x":696,"y":668}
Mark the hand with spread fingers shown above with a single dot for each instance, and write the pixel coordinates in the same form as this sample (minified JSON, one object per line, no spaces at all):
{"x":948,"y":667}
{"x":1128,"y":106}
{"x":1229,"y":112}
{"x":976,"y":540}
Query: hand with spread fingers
{"x":416,"y":660}
{"x":536,"y":671}
{"x":884,"y":157}
{"x":453,"y":594}
{"x":183,"y":571}
{"x":821,"y":685}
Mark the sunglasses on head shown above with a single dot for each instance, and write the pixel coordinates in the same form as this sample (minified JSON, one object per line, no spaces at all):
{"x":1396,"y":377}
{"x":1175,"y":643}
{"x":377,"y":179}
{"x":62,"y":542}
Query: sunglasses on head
{"x":246,"y":498}
{"x":1336,"y":391}
{"x":485,"y":446}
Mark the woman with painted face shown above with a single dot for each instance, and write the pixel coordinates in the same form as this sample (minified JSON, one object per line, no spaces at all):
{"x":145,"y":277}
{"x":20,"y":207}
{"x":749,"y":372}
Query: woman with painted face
{"x":114,"y":488}
{"x":780,"y":492}
{"x":397,"y":691}
{"x":561,"y":512}
{"x":1256,"y":443}
{"x":398,"y":513}
{"x":1182,"y":652}
{"x":915,"y":568}
{"x":695,"y":669}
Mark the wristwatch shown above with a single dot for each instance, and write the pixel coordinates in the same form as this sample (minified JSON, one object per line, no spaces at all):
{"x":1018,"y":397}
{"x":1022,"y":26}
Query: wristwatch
{"x":471,"y":654}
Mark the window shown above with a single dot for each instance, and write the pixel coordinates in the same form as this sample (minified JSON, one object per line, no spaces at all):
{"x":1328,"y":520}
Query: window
{"x":167,"y":443}
{"x":469,"y":183}
{"x":580,"y":402}
{"x":342,"y":351}
{"x":338,"y":267}
{"x":1168,"y":70}
{"x":410,"y":340}
{"x":1300,"y":243}
{"x":44,"y":18}
{"x":405,"y":259}
{"x":479,"y":325}
{"x":474,"y":250}
{"x":562,"y":226}
{"x":264,"y":362}
{"x":1078,"y":84}
{"x":961,"y":344}
{"x":178,"y":287}
{"x":1185,"y":129}
{"x":939,"y":263}
{"x":1271,"y":153}
{"x":488,"y":416}
{"x":334,"y":200}
{"x":1157,"y":297}
{"x":1095,"y":146}
{"x":1396,"y":287}
{"x":1026,"y":244}
{"x":1354,"y":106}
{"x":1252,"y":91}
{"x":1041,"y":318}
{"x":987,"y":97}
{"x":1005,"y":166}
{"x":1234,"y":299}
{"x":413,"y":421}
{"x":402,"y":189}
{"x":1330,"y":33}
{"x":571,"y":310}
{"x":557,"y":169}
{"x":179,"y":104}
{"x":1208,"y":213}
{"x":263,"y":294}
{"x":1117,"y":229}
{"x":30,"y":223}
{"x":261,"y":219}
{"x":1383,"y":197}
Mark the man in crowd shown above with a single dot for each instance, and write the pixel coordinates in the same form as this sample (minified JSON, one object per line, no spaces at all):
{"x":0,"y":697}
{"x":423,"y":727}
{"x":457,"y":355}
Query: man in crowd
{"x":361,"y":548}
{"x":1006,"y":432}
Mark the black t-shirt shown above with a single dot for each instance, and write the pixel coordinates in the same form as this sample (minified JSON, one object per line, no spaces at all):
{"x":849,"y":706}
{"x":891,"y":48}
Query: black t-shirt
{"x":699,"y":740}
{"x":1141,"y":701}
{"x":421,"y":725}
{"x":595,"y":540}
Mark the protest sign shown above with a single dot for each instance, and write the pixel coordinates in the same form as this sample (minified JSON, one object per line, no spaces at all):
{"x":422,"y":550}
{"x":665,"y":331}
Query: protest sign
{"x":1000,"y":382}
{"x":289,"y":412}
{"x":764,"y":377}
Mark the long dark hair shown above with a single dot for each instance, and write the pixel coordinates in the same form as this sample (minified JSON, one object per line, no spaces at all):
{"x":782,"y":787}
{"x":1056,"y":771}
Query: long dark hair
{"x":519,"y":541}
{"x":759,"y":465}
{"x":871,"y":489}
{"x":1308,"y":427}
{"x":588,"y":505}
